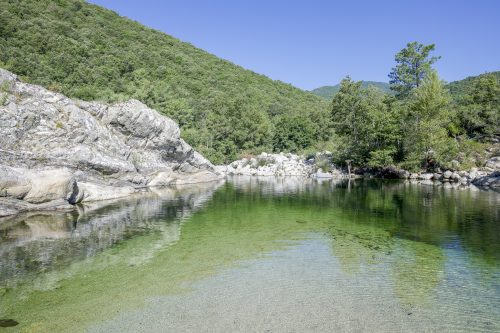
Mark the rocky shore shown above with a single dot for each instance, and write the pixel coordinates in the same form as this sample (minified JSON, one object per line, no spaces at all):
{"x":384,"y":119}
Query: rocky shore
{"x":56,"y":152}
{"x":319,"y":166}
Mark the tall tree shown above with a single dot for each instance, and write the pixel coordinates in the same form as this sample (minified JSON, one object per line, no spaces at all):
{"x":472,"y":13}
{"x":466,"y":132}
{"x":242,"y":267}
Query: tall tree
{"x":426,"y":140}
{"x":414,"y":63}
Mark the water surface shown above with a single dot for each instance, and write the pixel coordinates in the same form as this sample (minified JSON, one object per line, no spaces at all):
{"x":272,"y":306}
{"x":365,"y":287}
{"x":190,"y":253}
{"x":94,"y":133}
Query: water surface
{"x":259,"y":255}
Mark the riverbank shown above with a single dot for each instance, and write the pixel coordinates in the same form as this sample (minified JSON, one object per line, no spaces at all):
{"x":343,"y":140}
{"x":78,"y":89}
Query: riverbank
{"x":320,"y":167}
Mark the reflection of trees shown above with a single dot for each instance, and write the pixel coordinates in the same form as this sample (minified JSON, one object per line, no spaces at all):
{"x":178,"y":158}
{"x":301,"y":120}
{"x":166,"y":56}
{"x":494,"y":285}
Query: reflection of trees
{"x":417,"y":269}
{"x":410,"y":223}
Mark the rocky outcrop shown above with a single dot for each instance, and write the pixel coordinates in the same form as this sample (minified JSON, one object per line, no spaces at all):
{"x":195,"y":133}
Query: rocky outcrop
{"x":283,"y":165}
{"x":55,"y":149}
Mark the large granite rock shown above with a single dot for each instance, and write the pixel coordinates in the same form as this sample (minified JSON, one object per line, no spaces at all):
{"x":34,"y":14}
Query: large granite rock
{"x":53,"y":147}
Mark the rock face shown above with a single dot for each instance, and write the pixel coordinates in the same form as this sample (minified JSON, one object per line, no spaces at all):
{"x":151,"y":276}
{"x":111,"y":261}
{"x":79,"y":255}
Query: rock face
{"x":52,"y":148}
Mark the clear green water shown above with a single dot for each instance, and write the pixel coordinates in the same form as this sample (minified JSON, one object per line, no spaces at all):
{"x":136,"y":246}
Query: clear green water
{"x":259,"y":255}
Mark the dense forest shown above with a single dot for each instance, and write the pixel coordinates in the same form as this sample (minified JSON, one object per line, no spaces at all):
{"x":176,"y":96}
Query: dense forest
{"x":225,"y":111}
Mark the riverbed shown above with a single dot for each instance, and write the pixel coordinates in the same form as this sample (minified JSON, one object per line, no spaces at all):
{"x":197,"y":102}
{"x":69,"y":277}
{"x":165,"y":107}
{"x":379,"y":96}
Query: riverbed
{"x":259,"y":254}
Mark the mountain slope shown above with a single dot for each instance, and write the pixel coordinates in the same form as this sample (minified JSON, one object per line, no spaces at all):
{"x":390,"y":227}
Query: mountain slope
{"x":328,"y":91}
{"x":462,"y":87}
{"x":91,"y":53}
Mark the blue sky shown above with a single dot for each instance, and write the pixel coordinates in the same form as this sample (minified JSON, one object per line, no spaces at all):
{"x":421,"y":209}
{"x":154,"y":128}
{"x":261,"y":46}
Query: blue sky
{"x":314,"y":43}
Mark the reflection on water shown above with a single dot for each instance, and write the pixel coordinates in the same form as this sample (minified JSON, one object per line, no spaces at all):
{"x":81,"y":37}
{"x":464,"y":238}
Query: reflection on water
{"x":429,"y":253}
{"x":33,"y":243}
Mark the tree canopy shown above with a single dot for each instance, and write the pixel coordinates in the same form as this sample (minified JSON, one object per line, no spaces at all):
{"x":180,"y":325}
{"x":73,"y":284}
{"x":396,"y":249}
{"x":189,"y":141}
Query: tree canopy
{"x":413,"y":64}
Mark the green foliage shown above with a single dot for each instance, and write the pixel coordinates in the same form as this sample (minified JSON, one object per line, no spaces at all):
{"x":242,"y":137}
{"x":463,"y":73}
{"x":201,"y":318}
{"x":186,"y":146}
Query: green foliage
{"x":479,"y":108}
{"x":381,"y":158}
{"x":471,"y":153}
{"x":413,"y":65}
{"x":293,"y":132}
{"x":365,"y":121}
{"x":428,"y":112}
{"x":91,"y":53}
{"x":329,"y":91}
{"x":460,"y":89}
{"x":237,"y":126}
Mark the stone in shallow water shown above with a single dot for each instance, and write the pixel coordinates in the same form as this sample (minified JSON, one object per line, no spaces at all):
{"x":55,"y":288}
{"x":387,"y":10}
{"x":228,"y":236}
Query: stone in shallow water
{"x":8,"y":323}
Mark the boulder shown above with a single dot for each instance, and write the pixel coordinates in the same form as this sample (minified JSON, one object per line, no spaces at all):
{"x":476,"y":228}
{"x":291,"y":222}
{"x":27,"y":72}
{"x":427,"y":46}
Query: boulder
{"x":493,"y":163}
{"x":49,"y":185}
{"x":491,"y":180}
{"x":455,"y":177}
{"x":437,"y":176}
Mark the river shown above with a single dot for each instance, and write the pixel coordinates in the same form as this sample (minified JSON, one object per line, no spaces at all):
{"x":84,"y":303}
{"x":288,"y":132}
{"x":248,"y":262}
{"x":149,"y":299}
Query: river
{"x":258,"y":255}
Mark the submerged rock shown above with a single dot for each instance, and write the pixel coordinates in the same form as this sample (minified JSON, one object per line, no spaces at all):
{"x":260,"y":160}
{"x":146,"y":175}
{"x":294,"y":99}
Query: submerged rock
{"x":53,"y":147}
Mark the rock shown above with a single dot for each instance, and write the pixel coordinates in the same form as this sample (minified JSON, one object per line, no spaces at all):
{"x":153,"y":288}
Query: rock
{"x":463,"y":173}
{"x":447,"y":174}
{"x":49,"y":185}
{"x":492,"y":180}
{"x":437,"y":176}
{"x":320,"y":174}
{"x":493,"y":163}
{"x":455,"y":176}
{"x":13,"y":183}
{"x":58,"y":143}
{"x":94,"y":192}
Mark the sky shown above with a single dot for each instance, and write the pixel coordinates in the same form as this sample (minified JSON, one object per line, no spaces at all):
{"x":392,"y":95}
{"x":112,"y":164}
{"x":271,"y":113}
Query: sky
{"x":312,"y":43}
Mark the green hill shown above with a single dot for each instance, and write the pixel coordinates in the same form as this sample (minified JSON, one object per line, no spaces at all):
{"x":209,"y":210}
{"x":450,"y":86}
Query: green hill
{"x":328,"y":91}
{"x":88,"y":52}
{"x":460,"y":88}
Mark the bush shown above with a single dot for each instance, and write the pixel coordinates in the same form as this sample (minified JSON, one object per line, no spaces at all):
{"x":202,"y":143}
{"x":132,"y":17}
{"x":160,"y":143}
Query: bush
{"x":381,"y":158}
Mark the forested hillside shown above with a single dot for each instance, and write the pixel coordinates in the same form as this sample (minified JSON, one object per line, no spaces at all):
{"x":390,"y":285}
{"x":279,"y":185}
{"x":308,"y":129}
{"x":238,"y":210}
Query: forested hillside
{"x":329,"y":91}
{"x":461,"y":88}
{"x":91,"y":53}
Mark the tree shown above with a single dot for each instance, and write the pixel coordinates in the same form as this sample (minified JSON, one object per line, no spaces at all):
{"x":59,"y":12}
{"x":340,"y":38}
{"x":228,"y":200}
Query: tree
{"x":480,"y":109}
{"x":413,"y":66}
{"x":366,"y":123}
{"x":426,"y":139}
